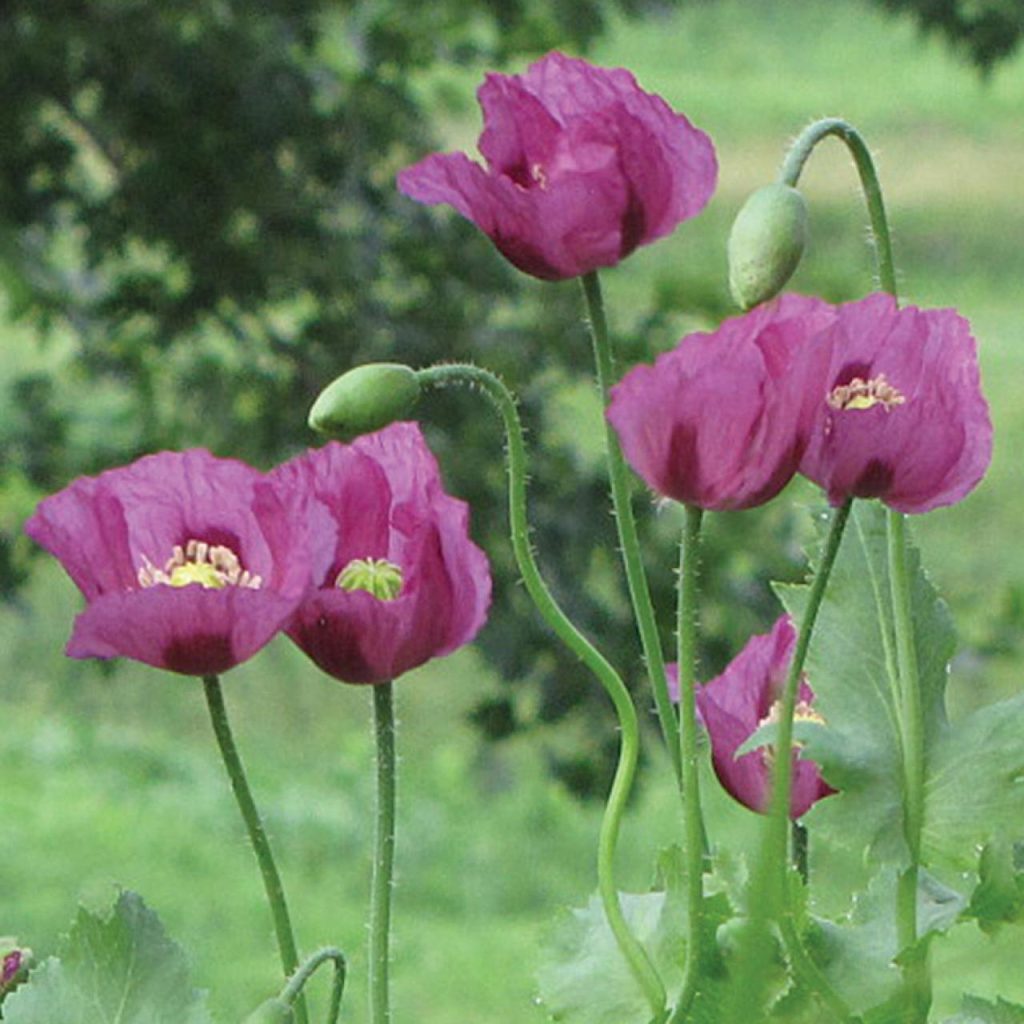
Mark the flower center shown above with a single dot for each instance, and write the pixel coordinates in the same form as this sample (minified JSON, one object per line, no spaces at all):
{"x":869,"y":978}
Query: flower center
{"x":864,"y":394}
{"x":803,"y":712}
{"x":376,"y":576}
{"x":212,"y":566}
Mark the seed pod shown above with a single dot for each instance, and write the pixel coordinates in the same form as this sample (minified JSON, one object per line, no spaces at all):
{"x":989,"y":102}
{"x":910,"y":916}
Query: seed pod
{"x":364,"y":400}
{"x":766,"y":242}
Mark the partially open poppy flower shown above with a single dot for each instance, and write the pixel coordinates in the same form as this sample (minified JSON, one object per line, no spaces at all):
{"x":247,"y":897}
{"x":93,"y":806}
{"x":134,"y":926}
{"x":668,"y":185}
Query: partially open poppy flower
{"x":582,"y":167}
{"x":722,"y":420}
{"x":187,"y":562}
{"x":901,"y":416}
{"x":734,"y":705}
{"x":397,"y":580}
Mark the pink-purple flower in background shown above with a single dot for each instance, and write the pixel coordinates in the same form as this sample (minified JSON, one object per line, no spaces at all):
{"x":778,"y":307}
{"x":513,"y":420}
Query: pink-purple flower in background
{"x":187,"y":562}
{"x":734,"y":705}
{"x":12,"y":966}
{"x":582,"y":166}
{"x":397,"y":581}
{"x":900,"y":416}
{"x":722,"y":420}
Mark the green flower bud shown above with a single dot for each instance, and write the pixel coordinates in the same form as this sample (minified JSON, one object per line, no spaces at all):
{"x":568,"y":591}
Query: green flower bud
{"x":273,"y":1011}
{"x":365,"y":399}
{"x":766,"y":242}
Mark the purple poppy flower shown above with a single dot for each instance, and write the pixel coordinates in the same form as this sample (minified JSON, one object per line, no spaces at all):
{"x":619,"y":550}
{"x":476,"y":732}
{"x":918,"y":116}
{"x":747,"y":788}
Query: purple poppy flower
{"x":722,"y":420}
{"x":583,"y":166}
{"x":399,"y":581}
{"x":187,"y":562}
{"x":901,"y":416}
{"x":11,"y":965}
{"x":734,"y":705}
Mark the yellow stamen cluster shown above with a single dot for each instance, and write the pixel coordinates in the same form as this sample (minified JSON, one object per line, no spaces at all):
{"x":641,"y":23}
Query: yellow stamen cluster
{"x":864,"y":394}
{"x":211,"y":566}
{"x":803,"y":712}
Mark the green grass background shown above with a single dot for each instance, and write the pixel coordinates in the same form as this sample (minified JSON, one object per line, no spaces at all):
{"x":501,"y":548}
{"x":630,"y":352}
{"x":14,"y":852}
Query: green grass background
{"x":113,"y":779}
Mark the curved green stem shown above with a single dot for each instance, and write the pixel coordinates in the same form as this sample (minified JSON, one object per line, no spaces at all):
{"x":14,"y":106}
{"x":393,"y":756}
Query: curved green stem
{"x":257,"y":835}
{"x":382,"y":879}
{"x":308,"y":968}
{"x":689,"y":568}
{"x":629,"y":542}
{"x":916,"y":975}
{"x":463,"y":374}
{"x":794,"y":164}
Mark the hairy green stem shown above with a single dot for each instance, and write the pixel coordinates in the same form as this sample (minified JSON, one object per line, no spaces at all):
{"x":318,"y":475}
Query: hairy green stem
{"x":916,"y":975}
{"x":794,"y":164}
{"x":686,"y":637}
{"x":257,"y":835}
{"x":782,"y":779}
{"x":629,"y":542}
{"x":477,"y":378}
{"x":769,"y":896}
{"x":382,"y":879}
{"x":308,"y":968}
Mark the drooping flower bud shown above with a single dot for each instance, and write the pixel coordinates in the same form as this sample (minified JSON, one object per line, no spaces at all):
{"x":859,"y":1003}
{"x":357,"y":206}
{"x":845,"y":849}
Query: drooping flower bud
{"x":766,"y":242}
{"x":365,"y":400}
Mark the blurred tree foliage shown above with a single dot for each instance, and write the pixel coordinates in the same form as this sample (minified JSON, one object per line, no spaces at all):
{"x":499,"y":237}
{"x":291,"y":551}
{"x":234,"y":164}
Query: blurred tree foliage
{"x":987,"y":31}
{"x":197,"y":212}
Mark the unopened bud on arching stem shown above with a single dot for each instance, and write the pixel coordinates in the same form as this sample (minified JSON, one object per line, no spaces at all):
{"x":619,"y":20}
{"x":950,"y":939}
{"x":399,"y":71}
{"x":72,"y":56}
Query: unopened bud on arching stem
{"x":768,"y":238}
{"x":365,"y":400}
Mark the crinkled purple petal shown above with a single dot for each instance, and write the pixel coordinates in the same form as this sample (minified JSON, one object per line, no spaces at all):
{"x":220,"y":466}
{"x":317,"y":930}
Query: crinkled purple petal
{"x":189,"y":630}
{"x":519,"y":133}
{"x":583,"y":166}
{"x":721,"y":421}
{"x":84,"y":527}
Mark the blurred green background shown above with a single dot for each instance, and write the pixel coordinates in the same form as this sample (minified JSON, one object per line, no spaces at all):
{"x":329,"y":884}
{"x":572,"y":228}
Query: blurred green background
{"x":111,"y":777}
